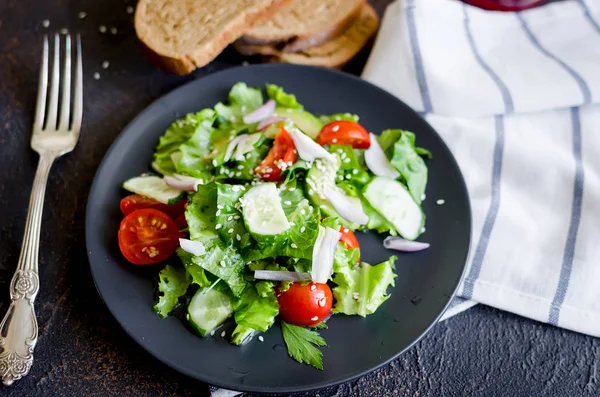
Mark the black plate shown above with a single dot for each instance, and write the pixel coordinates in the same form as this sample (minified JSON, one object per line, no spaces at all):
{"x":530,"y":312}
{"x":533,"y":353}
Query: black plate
{"x":426,"y":280}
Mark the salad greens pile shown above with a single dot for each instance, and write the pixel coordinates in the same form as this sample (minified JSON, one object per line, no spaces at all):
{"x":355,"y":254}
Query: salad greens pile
{"x":239,"y":224}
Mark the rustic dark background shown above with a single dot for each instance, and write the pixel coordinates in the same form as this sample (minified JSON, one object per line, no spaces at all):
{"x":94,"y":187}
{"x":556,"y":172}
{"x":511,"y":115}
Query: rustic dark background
{"x":83,"y":352}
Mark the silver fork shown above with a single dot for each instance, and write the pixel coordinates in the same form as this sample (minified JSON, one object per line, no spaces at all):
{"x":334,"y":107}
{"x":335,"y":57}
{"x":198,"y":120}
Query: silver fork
{"x":18,"y":329}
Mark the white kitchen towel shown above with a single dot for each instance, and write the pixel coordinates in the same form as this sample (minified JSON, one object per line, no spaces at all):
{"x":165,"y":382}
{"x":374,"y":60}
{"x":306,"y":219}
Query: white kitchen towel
{"x":516,"y":96}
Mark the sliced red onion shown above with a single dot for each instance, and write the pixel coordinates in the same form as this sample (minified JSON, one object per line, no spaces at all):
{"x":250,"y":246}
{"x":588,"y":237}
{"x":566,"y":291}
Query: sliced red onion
{"x":261,"y":113}
{"x":193,"y":247}
{"x":231,"y":147}
{"x":309,"y":150}
{"x":349,"y":208}
{"x":277,"y":275}
{"x":378,"y":162}
{"x":323,"y":253}
{"x":183,"y":182}
{"x":268,"y":121}
{"x":400,"y":244}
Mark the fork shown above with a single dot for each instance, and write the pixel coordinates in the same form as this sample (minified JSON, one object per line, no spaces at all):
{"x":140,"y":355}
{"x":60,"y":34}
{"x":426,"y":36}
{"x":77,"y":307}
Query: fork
{"x":18,"y":329}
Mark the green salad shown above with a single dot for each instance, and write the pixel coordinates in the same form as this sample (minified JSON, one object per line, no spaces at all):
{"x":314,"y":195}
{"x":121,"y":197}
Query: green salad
{"x":252,"y":207}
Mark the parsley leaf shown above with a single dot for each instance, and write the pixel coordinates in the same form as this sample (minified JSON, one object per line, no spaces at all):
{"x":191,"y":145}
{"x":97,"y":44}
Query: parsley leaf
{"x":301,"y":344}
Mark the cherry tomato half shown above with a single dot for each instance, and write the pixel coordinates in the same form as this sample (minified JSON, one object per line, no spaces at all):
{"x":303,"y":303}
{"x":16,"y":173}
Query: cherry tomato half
{"x":148,"y":236}
{"x":305,"y":305}
{"x":348,"y":238}
{"x":344,"y":132}
{"x":281,"y":156}
{"x":137,"y":202}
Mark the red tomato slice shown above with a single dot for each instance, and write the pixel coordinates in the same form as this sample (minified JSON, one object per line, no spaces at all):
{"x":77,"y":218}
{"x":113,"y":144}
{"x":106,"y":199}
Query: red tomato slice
{"x":148,"y":236}
{"x":348,"y":238}
{"x":280,"y":157}
{"x":137,"y":202}
{"x":305,"y":305}
{"x":344,"y":132}
{"x":181,"y":222}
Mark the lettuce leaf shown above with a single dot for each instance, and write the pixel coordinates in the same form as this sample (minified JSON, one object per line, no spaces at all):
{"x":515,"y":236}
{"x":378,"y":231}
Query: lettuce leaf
{"x":177,"y":133}
{"x":410,"y":165}
{"x":173,"y":284}
{"x":350,"y":168}
{"x":254,"y":312}
{"x":361,"y":289}
{"x":196,"y":272}
{"x":242,"y":100}
{"x":326,"y":119}
{"x":194,"y":151}
{"x":243,"y":170}
{"x":282,"y":99}
{"x":220,"y":260}
{"x":229,"y":221}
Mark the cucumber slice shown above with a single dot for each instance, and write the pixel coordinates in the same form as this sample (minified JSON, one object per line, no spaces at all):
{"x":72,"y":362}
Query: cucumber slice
{"x":393,"y":201}
{"x":304,"y":120}
{"x":208,"y":309}
{"x":152,"y":187}
{"x":262,"y":211}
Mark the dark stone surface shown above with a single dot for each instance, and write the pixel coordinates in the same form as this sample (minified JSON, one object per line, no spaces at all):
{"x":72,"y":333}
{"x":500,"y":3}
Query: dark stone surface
{"x":82,"y":351}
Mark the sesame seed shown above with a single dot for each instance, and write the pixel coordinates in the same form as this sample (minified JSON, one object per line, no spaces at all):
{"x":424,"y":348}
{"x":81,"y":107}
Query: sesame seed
{"x":313,"y":287}
{"x":302,"y":212}
{"x":222,"y":263}
{"x":64,"y":31}
{"x":235,"y":188}
{"x":348,"y":176}
{"x":45,"y":23}
{"x":334,"y":140}
{"x":218,"y":226}
{"x":212,"y":333}
{"x":322,"y":302}
{"x":423,"y":229}
{"x":113,"y":30}
{"x":292,"y":189}
{"x":260,"y":338}
{"x":223,"y":334}
{"x":423,"y":197}
{"x":219,"y":206}
{"x":238,"y":174}
{"x":238,"y":237}
{"x":440,"y":201}
{"x":355,"y":171}
{"x":293,"y":245}
{"x":287,"y":202}
{"x":218,"y":213}
{"x":214,"y":162}
{"x":82,"y":15}
{"x":97,"y":76}
{"x":302,"y":229}
{"x":335,"y":128}
{"x":292,"y":224}
{"x":236,"y":217}
{"x":315,"y":318}
{"x":129,"y":9}
{"x":310,"y":191}
{"x":347,"y":160}
{"x":230,"y":217}
{"x":346,"y":230}
{"x":337,"y":118}
{"x":105,"y":65}
{"x":241,"y":167}
{"x":340,"y":177}
{"x":102,"y":29}
{"x":230,"y":231}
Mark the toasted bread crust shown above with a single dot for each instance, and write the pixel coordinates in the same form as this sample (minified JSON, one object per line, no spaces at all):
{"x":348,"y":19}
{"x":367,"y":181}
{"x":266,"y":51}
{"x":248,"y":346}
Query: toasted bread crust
{"x":186,"y":61}
{"x":303,"y":19}
{"x":300,"y":43}
{"x":334,"y":53}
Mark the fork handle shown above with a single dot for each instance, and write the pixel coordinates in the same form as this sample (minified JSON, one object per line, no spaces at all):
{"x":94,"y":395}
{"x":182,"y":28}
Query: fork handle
{"x":18,"y":329}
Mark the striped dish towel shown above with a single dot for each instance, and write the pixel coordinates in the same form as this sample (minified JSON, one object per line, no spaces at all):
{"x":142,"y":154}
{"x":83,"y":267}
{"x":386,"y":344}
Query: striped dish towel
{"x":516,"y":96}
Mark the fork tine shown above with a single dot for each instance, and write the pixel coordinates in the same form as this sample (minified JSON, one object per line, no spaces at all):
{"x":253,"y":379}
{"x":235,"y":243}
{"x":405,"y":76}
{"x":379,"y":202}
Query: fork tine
{"x":53,"y":106}
{"x":40,"y":108}
{"x":78,"y":94}
{"x":65,"y":103}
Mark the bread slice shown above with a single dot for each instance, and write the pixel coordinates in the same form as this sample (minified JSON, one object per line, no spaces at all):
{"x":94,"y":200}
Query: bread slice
{"x":304,"y":24}
{"x":181,"y":35}
{"x":333,"y":53}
